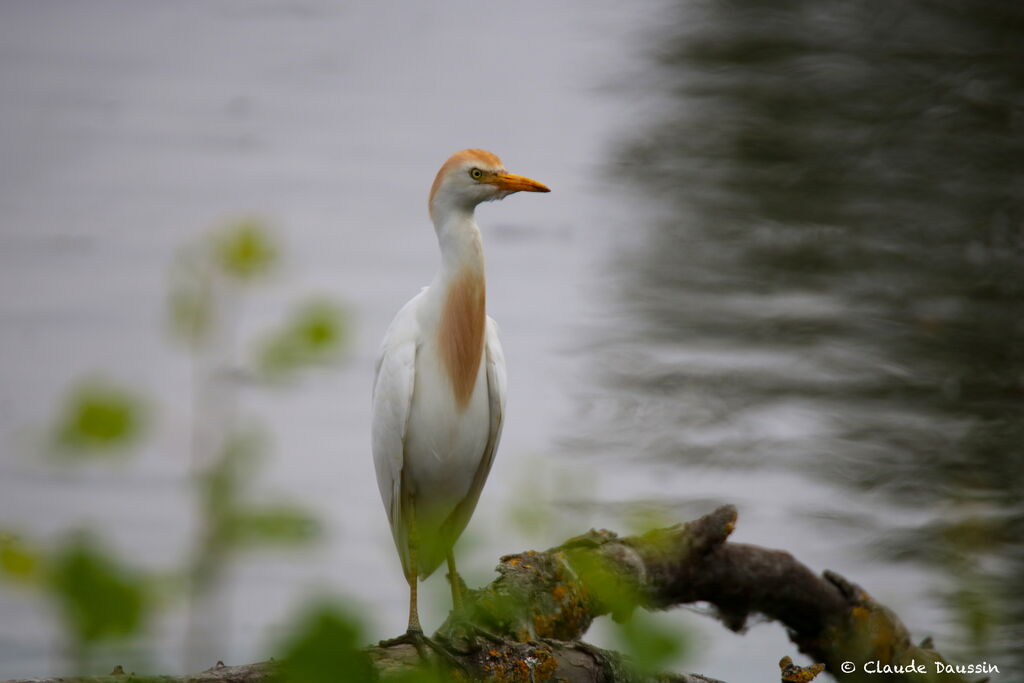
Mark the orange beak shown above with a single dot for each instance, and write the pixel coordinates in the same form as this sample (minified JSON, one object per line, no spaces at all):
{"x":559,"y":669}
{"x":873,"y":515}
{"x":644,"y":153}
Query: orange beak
{"x":510,"y":182}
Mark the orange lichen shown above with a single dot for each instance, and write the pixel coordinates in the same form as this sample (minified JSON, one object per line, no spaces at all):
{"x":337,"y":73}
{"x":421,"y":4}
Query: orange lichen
{"x":516,"y":665}
{"x":542,"y":625}
{"x":546,"y":664}
{"x":791,"y":673}
{"x":564,"y":617}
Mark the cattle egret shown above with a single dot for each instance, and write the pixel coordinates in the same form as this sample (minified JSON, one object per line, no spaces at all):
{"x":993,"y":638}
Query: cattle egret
{"x":439,"y":392}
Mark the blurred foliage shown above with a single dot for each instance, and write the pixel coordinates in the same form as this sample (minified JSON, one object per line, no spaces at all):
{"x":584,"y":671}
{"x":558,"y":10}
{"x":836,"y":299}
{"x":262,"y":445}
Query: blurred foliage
{"x":190,"y":301}
{"x":98,"y":418}
{"x":231,"y":522}
{"x":207,"y":283}
{"x":651,"y":642}
{"x":269,"y":524}
{"x":325,"y":646}
{"x":643,"y":517}
{"x":834,"y":277}
{"x":100,"y":598}
{"x":19,"y":562}
{"x":204,"y":286}
{"x":545,"y":488}
{"x":245,"y":251}
{"x":241,"y":253}
{"x":313,"y":335}
{"x":605,"y":583}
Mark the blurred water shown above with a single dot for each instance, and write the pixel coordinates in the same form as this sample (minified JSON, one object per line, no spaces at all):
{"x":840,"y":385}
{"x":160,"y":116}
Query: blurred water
{"x":665,"y":348}
{"x":828,"y":298}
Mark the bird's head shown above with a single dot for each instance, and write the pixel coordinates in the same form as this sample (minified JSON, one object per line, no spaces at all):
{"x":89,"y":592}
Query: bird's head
{"x":473,"y":176}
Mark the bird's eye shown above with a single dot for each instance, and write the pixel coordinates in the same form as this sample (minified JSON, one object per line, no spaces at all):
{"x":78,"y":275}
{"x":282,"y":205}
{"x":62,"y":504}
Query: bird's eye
{"x":476,"y":174}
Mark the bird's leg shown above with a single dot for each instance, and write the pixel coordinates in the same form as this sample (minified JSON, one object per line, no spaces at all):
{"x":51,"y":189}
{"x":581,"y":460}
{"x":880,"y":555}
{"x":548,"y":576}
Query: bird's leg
{"x":414,"y":614}
{"x":456,"y":581}
{"x":414,"y":632}
{"x":462,"y":627}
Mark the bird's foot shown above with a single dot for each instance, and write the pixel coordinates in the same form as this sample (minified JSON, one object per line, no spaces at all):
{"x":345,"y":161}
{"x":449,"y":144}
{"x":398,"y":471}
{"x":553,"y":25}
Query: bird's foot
{"x":422,"y":643}
{"x":465,"y":636}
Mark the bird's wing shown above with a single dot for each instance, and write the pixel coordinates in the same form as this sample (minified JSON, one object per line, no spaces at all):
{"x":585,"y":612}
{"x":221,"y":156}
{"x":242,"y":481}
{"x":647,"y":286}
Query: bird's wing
{"x":497,"y":383}
{"x":497,"y":387}
{"x":392,"y":398}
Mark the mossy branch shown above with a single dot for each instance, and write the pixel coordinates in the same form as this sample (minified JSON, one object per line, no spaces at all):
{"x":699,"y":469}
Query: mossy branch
{"x":542,"y":603}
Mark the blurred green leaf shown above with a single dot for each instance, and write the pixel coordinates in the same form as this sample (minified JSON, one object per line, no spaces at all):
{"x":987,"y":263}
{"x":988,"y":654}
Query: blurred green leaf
{"x":18,"y":561}
{"x":191,"y":314}
{"x":326,"y":647}
{"x":605,"y":582}
{"x":422,"y":674}
{"x":642,"y":517}
{"x":98,"y":598}
{"x":245,"y":250}
{"x":98,"y":417}
{"x":191,"y":303}
{"x":651,"y":645}
{"x":269,"y":525}
{"x":974,"y":605}
{"x":530,"y":508}
{"x":235,"y":524}
{"x":235,"y":464}
{"x":314,"y":334}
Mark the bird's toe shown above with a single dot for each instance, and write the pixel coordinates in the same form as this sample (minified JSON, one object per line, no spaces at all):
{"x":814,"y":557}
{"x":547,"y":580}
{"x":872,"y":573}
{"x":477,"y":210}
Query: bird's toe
{"x":422,"y":644}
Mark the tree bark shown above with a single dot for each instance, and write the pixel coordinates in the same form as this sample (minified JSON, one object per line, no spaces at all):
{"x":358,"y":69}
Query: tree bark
{"x":542,"y":603}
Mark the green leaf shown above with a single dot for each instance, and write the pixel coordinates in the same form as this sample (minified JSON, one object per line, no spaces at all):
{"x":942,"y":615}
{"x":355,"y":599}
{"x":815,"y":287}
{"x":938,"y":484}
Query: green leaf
{"x":315,"y":334}
{"x":99,"y":417}
{"x":235,"y":463}
{"x":245,"y":250}
{"x":191,"y":304}
{"x":191,"y":313}
{"x":99,"y":598}
{"x":326,"y":647}
{"x":605,"y":582}
{"x":281,"y":524}
{"x":421,"y":674}
{"x":18,"y":561}
{"x":650,"y":644}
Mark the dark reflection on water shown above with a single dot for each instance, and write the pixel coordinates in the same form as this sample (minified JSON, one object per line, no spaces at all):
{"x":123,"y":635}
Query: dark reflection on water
{"x":838,"y":287}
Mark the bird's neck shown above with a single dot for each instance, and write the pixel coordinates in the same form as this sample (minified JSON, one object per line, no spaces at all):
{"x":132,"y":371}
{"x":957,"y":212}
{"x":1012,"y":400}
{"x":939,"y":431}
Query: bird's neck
{"x":460,"y":288}
{"x":462,"y":247}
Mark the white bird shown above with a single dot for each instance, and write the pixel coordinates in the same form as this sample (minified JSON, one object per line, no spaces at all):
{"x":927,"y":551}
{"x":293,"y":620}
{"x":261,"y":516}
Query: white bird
{"x":439,"y":392}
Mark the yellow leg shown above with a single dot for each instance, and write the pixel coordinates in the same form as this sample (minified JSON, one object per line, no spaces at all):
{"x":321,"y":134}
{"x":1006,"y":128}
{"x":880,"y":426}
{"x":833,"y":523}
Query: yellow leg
{"x":411,"y":577}
{"x":414,"y":634}
{"x":414,"y":617}
{"x":456,"y":583}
